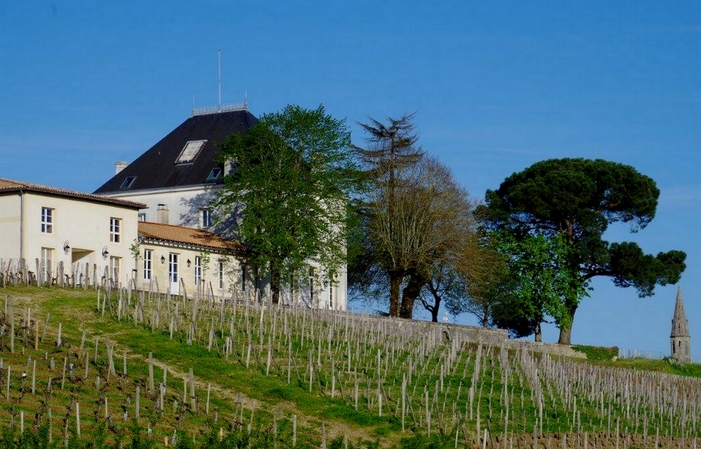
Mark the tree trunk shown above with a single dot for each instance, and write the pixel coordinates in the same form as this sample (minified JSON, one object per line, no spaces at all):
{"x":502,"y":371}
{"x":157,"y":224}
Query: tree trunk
{"x":436,"y":302}
{"x":566,"y":329}
{"x":538,"y":333}
{"x":395,"y":280}
{"x":409,"y":295}
{"x":275,"y":284}
{"x":434,"y":312}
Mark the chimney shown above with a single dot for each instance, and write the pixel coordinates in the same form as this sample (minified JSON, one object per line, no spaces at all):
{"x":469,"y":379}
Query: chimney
{"x":119,"y":166}
{"x":162,"y":214}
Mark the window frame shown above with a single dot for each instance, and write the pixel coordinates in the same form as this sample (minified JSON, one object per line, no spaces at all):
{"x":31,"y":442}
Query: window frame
{"x":47,"y":261}
{"x":198,"y":270}
{"x":127,"y":183}
{"x":115,"y":230}
{"x":190,"y":151}
{"x":214,"y":174}
{"x":221,"y":274}
{"x":47,"y":220}
{"x":148,"y":264}
{"x":115,"y":268}
{"x":206,"y":217}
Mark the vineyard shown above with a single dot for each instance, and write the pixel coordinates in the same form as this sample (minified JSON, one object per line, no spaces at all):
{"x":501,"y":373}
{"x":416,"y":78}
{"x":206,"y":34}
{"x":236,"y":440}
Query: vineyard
{"x":139,"y":369}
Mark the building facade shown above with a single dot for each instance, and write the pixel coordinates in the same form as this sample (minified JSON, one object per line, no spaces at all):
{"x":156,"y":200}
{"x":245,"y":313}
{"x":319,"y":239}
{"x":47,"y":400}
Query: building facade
{"x":178,"y":180}
{"x":57,"y":235}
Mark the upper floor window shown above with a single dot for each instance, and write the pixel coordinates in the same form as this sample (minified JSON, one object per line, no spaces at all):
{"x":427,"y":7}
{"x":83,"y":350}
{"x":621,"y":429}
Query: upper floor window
{"x":115,"y":229}
{"x":214,"y":174}
{"x":47,"y":220}
{"x":221,"y":274}
{"x":128,"y":181}
{"x":190,"y":151}
{"x":206,"y":218}
{"x":142,"y":216}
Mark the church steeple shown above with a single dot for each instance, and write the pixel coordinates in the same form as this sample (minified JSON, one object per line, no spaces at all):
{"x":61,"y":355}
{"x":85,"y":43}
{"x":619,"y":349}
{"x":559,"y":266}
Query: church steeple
{"x":680,"y":338}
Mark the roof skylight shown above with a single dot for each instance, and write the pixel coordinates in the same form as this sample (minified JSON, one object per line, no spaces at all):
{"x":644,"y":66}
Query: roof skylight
{"x":214,"y":174}
{"x":128,"y":181}
{"x":190,"y":151}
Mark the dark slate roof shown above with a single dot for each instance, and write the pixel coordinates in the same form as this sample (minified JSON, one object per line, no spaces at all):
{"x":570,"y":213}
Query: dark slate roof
{"x":156,"y":168}
{"x":8,"y":186}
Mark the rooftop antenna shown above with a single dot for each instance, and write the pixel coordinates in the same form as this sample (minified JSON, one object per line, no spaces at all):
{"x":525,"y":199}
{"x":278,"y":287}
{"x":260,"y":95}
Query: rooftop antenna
{"x":220,"y":79}
{"x":245,"y":99}
{"x":193,"y":105}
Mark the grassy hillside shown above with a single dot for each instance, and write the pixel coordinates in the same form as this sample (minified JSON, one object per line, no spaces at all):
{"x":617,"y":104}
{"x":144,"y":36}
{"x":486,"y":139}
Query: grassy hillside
{"x":201,"y":374}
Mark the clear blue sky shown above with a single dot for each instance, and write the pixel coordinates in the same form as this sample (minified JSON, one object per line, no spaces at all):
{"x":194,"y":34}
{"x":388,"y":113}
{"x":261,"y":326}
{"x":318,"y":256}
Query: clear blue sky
{"x":496,"y":85}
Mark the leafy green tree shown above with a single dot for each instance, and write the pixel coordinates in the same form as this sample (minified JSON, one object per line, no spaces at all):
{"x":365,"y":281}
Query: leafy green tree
{"x":288,"y":190}
{"x":577,"y":199}
{"x":539,"y":283}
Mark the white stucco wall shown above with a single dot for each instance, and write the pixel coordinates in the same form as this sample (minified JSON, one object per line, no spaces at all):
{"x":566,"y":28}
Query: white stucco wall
{"x":184,"y":203}
{"x":81,"y":224}
{"x":161,"y":276}
{"x":10,"y":230}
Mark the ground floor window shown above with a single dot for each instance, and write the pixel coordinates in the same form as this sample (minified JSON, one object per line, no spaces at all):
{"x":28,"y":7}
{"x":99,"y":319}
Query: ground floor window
{"x":114,"y":269}
{"x":221,"y":274}
{"x":198,"y":270}
{"x":148,"y":264}
{"x":47,"y":261}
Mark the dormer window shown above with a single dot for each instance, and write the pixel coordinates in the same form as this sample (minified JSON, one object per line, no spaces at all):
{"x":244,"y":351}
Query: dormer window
{"x":190,"y":151}
{"x":214,"y":174}
{"x":127,"y":183}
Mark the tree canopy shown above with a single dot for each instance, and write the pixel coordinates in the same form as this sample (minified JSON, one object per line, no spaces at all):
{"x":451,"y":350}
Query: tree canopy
{"x":288,"y":189}
{"x":414,"y":219}
{"x":576,"y":200}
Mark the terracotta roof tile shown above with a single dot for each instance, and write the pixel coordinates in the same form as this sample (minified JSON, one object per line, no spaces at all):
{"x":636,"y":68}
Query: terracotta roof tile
{"x":187,"y":236}
{"x":8,"y":186}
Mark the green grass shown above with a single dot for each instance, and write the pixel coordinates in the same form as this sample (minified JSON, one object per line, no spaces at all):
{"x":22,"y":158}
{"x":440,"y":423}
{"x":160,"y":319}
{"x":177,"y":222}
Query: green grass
{"x":597,"y":353}
{"x":246,"y":397}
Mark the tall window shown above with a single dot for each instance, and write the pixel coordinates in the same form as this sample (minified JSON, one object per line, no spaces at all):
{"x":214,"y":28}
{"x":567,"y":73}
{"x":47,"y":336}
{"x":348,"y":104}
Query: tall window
{"x":173,"y":267}
{"x":206,"y":218}
{"x":243,"y":277}
{"x":47,"y":257}
{"x":115,"y":229}
{"x":47,"y":220}
{"x":142,"y":216}
{"x":114,"y":269}
{"x":221,"y":274}
{"x":198,"y":270}
{"x":312,"y":279}
{"x":148,"y":261}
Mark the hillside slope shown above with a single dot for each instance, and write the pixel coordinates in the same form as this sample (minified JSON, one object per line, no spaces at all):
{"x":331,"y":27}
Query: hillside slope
{"x":171,"y":370}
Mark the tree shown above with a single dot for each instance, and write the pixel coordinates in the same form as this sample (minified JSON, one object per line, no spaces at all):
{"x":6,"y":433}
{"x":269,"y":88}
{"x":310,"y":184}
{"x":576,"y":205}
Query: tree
{"x":481,"y":280}
{"x":391,"y":149}
{"x":539,"y":282}
{"x":577,"y":199}
{"x":292,"y":175}
{"x":463,"y":278}
{"x":408,"y":236}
